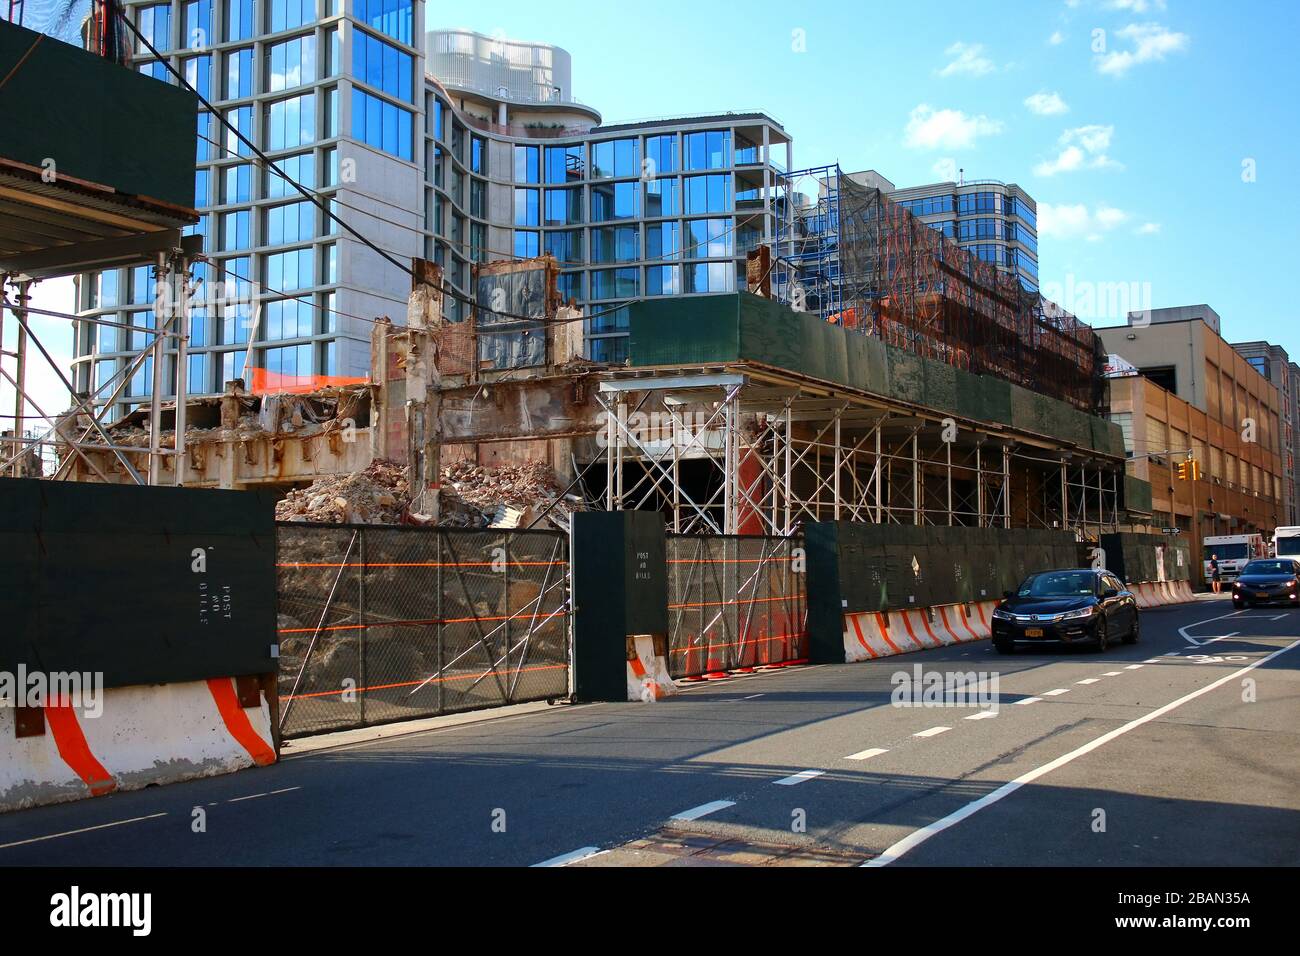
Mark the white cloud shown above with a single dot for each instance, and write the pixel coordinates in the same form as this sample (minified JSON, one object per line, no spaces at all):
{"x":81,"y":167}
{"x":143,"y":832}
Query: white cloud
{"x":1084,"y":147}
{"x":1136,"y":6}
{"x":1046,"y":104}
{"x":928,"y":128}
{"x":967,"y":59}
{"x":1147,"y":229}
{"x":1150,"y":41}
{"x":1057,"y":38}
{"x":1077,"y":221}
{"x":945,"y":170}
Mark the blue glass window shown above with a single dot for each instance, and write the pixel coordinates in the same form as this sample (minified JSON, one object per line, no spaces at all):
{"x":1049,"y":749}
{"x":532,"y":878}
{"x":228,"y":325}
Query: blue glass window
{"x":526,"y":244}
{"x":565,"y":164}
{"x":197,"y":71}
{"x":663,"y":280}
{"x":391,"y":17}
{"x":615,"y":201}
{"x":155,"y":25}
{"x":708,"y":238}
{"x":295,"y":222}
{"x":566,"y":246}
{"x":663,"y":241}
{"x":241,"y":23}
{"x":381,"y":124}
{"x":301,"y":168}
{"x":526,"y":212}
{"x":287,"y":319}
{"x":234,"y":231}
{"x":708,"y":194}
{"x":198,"y":24}
{"x":287,"y":14}
{"x":526,"y":164}
{"x":709,"y":150}
{"x":241,"y":118}
{"x":238,"y":184}
{"x":239,"y":74}
{"x":661,"y":154}
{"x":662,"y":197}
{"x":615,"y":244}
{"x":615,"y":283}
{"x":709,"y":277}
{"x":291,"y":122}
{"x":381,"y":65}
{"x":290,"y":63}
{"x":614,"y":157}
{"x":563,"y":207}
{"x":286,"y":271}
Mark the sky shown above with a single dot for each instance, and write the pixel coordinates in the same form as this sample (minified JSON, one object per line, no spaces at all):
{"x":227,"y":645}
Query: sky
{"x":1160,"y":138}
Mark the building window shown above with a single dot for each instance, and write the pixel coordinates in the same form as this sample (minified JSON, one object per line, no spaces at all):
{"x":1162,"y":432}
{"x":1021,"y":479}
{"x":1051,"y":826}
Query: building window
{"x":295,"y":222}
{"x":381,"y":65}
{"x":709,"y":277}
{"x":287,"y":319}
{"x":239,"y":74}
{"x":240,"y":23}
{"x":234,"y":233}
{"x":708,"y":194}
{"x":526,"y":244}
{"x":565,"y":164}
{"x":615,"y":244}
{"x":287,"y":14}
{"x":564,"y":206}
{"x":301,"y":168}
{"x":526,"y":211}
{"x":155,"y":25}
{"x":663,"y":240}
{"x":291,"y":122}
{"x":662,"y":197}
{"x":615,"y":201}
{"x":661,"y":155}
{"x":290,"y":63}
{"x":663,"y":280}
{"x":614,"y":157}
{"x":615,"y":283}
{"x":709,"y":150}
{"x":381,"y":124}
{"x":708,"y":238}
{"x":526,"y":164}
{"x":566,"y":246}
{"x":390,"y":17}
{"x":287,"y":271}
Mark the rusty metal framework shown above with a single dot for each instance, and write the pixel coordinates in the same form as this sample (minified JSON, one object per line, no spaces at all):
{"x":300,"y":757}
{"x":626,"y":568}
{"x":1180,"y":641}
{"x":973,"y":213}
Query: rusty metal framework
{"x":864,"y":262}
{"x":730,"y":454}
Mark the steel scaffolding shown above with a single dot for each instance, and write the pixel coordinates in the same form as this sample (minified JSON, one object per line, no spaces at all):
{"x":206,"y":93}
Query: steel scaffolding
{"x":728,"y":453}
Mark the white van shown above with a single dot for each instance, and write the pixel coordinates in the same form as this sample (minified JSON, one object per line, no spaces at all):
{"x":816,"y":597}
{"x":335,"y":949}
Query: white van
{"x":1234,"y":551}
{"x":1286,"y":542}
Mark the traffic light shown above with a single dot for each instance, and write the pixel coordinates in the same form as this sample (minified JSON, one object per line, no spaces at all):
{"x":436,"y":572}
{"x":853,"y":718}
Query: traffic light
{"x":1196,"y":470}
{"x":1183,"y":470}
{"x":1189,"y":469}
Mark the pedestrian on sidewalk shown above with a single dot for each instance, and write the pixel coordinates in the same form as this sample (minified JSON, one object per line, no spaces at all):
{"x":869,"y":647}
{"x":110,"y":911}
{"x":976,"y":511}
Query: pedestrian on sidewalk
{"x":1216,"y":582}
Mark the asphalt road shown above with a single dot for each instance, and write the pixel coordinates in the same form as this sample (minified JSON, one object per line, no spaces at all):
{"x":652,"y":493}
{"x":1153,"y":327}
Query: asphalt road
{"x":1167,"y":752}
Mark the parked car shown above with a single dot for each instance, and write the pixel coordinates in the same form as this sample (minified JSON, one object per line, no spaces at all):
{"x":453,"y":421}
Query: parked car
{"x":1064,"y":607}
{"x":1268,"y":581}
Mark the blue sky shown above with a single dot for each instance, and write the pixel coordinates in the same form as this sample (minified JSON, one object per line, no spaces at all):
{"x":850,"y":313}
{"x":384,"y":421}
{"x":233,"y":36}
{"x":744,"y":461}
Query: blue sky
{"x":1133,"y":144}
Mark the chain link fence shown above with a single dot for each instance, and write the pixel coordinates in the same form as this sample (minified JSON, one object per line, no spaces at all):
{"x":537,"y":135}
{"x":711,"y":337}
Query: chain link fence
{"x":735,"y":602}
{"x":379,"y":624}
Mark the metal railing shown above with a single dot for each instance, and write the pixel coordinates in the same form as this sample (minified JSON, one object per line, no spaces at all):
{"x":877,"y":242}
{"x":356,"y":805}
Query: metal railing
{"x":735,"y":602}
{"x":379,"y":624}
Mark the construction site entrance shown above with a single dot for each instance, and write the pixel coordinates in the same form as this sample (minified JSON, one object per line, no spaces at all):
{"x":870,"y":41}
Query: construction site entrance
{"x":380,"y":624}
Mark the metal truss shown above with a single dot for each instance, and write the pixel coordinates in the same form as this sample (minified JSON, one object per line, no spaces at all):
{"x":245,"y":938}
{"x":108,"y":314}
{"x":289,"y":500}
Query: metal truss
{"x":771,"y":458}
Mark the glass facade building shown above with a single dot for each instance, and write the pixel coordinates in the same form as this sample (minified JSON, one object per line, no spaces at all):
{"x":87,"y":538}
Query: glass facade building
{"x":332,"y":92}
{"x":996,"y":221}
{"x":340,"y":95}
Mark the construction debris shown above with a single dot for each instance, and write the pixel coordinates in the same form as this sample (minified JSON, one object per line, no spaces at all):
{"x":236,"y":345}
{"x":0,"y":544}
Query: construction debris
{"x":472,"y":496}
{"x":376,"y":495}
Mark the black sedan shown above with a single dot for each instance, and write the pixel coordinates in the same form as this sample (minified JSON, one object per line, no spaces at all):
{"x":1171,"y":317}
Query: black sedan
{"x":1059,"y":608}
{"x":1271,"y":581}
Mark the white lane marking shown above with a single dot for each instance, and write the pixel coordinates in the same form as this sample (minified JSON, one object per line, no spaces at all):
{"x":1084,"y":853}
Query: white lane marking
{"x":932,"y":732}
{"x":1112,"y":674}
{"x":1196,"y":641}
{"x":983,"y":715}
{"x":799,"y":777}
{"x":867,"y":754}
{"x":65,"y":833}
{"x":1056,"y":693}
{"x":752,"y":696}
{"x":251,"y":796}
{"x":1154,"y":660}
{"x":1088,"y":680}
{"x":703,"y":810}
{"x":572,"y":857}
{"x":1028,"y":700}
{"x":285,"y":790}
{"x":1171,"y":654}
{"x":1134,"y":667}
{"x":917,"y":837}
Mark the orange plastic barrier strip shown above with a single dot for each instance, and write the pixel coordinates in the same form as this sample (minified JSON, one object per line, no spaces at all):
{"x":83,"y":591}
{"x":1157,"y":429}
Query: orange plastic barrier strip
{"x":726,"y":560}
{"x":434,"y":680}
{"x":237,"y":722}
{"x":759,"y":640}
{"x":72,"y":746}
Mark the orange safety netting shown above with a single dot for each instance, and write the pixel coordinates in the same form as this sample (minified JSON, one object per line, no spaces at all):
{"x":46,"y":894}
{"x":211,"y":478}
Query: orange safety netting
{"x":265,"y":382}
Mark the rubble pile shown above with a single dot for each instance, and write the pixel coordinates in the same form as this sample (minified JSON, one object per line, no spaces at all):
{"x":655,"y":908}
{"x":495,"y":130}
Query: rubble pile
{"x":509,"y":496}
{"x":375,"y":495}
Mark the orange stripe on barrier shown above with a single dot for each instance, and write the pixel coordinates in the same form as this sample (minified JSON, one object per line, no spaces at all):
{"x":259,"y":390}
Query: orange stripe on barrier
{"x":427,"y":680}
{"x":638,"y":668}
{"x":74,"y":750}
{"x":983,"y":620}
{"x":237,"y":722}
{"x":925,"y":619}
{"x":861,"y":640}
{"x":884,"y":632}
